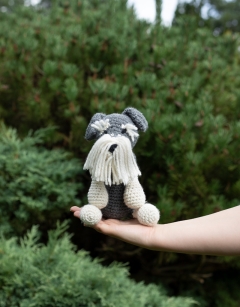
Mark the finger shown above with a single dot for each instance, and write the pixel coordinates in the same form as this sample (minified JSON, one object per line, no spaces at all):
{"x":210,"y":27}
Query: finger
{"x":74,"y":208}
{"x":77,"y":214}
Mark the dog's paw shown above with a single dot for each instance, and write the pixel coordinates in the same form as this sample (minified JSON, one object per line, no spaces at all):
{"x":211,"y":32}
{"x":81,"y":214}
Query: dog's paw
{"x":90,"y":215}
{"x":148,"y":215}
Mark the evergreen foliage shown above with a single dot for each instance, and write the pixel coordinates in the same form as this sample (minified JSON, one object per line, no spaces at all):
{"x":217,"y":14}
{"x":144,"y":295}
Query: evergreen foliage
{"x":55,"y":276}
{"x":9,"y":5}
{"x":77,"y":59}
{"x":224,"y":15}
{"x":219,"y":15}
{"x":37,"y":185}
{"x":158,"y":4}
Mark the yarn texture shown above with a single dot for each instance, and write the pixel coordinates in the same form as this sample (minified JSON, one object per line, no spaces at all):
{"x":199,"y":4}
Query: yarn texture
{"x":148,"y":215}
{"x":90,"y":215}
{"x":97,"y":194}
{"x":134,"y":196}
{"x":115,"y":191}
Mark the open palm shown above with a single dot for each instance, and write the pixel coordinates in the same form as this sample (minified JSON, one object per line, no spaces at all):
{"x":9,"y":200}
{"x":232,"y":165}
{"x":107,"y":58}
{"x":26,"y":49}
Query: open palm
{"x":130,"y":231}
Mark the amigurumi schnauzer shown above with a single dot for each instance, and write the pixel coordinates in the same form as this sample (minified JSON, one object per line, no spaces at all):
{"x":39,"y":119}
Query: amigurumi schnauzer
{"x":115,"y":191}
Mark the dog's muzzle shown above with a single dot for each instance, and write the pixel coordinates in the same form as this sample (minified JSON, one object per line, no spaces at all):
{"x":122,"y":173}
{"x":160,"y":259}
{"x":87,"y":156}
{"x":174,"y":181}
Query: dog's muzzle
{"x":111,"y":160}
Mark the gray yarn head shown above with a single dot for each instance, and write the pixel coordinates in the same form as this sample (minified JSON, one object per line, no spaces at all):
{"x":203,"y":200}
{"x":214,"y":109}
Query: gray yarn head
{"x":137,"y":117}
{"x":126,"y":124}
{"x":92,"y":133}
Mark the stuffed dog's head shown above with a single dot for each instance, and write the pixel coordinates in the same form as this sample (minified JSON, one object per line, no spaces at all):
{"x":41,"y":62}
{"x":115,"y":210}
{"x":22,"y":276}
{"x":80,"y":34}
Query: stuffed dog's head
{"x":111,"y":159}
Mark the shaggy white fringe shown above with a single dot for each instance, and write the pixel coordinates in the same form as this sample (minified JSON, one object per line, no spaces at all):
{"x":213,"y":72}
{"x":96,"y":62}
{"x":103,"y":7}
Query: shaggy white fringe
{"x":101,"y":125}
{"x":130,"y":130}
{"x":112,"y":168}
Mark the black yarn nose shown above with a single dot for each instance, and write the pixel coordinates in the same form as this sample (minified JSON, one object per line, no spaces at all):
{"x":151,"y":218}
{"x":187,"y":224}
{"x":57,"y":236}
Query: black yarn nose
{"x":112,"y":148}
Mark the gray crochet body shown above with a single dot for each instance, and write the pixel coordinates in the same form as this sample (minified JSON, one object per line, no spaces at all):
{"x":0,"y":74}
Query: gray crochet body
{"x":116,"y":208}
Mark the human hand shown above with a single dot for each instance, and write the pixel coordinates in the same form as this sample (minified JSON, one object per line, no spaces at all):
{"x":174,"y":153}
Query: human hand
{"x":213,"y":234}
{"x":130,"y":231}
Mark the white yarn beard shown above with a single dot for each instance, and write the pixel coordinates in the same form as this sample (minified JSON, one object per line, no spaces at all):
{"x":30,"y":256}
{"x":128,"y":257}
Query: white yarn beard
{"x":112,"y":168}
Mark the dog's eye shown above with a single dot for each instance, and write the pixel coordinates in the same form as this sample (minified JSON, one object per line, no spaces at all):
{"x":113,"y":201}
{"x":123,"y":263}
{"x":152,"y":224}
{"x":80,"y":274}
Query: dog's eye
{"x":105,"y":132}
{"x":124,"y":130}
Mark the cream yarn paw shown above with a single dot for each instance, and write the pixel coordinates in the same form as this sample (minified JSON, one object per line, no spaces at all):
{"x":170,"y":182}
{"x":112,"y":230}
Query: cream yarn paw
{"x":90,"y":215}
{"x":148,"y":215}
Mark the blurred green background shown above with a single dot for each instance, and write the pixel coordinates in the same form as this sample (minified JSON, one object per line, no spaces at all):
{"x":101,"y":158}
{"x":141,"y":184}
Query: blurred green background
{"x":63,"y":61}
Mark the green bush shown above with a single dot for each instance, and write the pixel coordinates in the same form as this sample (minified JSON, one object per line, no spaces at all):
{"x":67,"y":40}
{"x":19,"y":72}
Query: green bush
{"x":54,"y":275}
{"x":55,"y":68}
{"x":37,"y":185}
{"x":77,"y":58}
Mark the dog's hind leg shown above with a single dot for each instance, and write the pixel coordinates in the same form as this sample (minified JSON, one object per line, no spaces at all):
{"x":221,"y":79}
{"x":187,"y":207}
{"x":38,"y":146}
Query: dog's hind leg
{"x":147,"y":215}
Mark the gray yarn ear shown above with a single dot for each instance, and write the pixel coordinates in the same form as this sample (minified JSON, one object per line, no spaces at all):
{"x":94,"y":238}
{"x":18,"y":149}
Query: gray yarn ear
{"x":91,"y":133}
{"x":137,"y":117}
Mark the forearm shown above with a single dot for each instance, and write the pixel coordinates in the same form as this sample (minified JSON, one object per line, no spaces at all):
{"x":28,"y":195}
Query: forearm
{"x":216,"y":234}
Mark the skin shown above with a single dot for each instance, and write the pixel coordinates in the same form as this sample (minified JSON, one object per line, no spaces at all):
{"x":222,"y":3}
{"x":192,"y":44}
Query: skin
{"x":214,"y":234}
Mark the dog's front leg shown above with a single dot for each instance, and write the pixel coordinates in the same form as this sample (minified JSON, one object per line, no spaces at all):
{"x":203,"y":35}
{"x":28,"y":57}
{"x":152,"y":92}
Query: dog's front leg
{"x":97,"y":198}
{"x":134,"y":198}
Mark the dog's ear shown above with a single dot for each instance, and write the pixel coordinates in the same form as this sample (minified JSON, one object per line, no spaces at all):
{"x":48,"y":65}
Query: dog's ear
{"x":137,"y":117}
{"x":91,"y":132}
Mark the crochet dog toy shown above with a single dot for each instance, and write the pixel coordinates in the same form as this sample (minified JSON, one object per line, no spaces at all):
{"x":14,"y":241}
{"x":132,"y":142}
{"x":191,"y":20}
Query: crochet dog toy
{"x":115,"y":191}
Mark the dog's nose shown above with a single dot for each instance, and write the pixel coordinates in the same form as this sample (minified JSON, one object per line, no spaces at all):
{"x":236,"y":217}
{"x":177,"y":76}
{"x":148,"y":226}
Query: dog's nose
{"x":112,"y":148}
